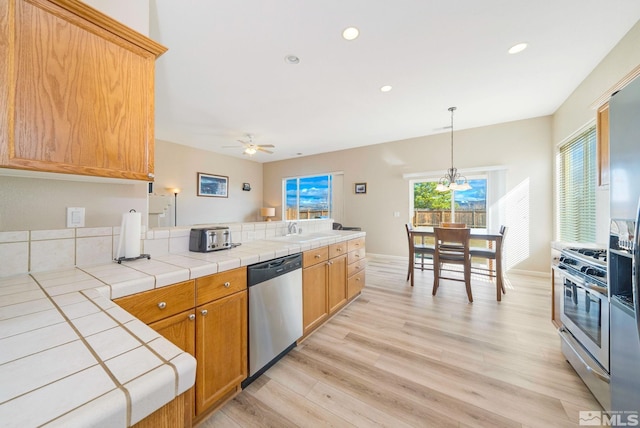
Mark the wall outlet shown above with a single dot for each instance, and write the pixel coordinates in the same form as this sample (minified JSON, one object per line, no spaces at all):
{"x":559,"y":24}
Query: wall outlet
{"x":396,"y":213}
{"x":75,"y":217}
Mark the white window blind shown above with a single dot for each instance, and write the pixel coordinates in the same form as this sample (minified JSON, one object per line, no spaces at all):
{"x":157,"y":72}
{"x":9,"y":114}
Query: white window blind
{"x":576,"y":166}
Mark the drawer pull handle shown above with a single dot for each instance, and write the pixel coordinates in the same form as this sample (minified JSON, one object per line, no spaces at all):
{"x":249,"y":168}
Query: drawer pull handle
{"x":227,"y":284}
{"x":317,"y":256}
{"x":162,"y":305}
{"x":192,"y":317}
{"x":338,"y":249}
{"x":204,"y":312}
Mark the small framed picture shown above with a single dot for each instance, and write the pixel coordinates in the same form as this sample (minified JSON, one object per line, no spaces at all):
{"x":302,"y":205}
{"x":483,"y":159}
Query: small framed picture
{"x":213,"y":185}
{"x":361,"y":187}
{"x":246,"y":187}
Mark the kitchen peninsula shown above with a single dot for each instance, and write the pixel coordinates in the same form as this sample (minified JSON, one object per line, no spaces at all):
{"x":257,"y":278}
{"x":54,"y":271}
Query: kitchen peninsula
{"x":69,"y":351}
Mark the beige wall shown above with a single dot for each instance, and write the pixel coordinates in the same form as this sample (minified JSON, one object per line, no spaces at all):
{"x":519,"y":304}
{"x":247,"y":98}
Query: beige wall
{"x":578,"y":109}
{"x":522,"y":147}
{"x":177,"y":166}
{"x":37,"y":203}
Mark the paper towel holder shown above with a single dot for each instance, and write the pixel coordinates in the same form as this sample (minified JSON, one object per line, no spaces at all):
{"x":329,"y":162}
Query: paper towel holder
{"x":128,"y":259}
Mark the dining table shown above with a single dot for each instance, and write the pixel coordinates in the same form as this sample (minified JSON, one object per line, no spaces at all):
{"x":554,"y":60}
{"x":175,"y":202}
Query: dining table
{"x":492,"y":241}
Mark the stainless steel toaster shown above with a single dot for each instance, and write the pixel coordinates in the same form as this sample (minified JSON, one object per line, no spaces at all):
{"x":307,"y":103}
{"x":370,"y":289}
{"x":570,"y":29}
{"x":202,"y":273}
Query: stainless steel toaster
{"x":207,"y":239}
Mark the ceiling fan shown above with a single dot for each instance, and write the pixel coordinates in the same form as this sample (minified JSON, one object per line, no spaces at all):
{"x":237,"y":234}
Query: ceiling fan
{"x":250,"y":148}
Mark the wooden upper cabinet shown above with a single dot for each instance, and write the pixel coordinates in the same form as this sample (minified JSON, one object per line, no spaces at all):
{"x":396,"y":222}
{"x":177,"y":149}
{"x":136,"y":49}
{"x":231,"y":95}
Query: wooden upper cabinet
{"x":602,"y":143}
{"x":76,"y":91}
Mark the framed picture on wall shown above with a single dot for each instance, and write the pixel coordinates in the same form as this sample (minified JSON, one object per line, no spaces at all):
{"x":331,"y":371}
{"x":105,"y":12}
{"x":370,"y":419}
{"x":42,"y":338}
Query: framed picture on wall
{"x":361,"y":188}
{"x":213,"y":185}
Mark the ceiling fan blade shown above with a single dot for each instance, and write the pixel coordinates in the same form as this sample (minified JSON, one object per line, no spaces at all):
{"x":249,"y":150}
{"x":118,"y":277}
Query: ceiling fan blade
{"x":264,"y":150}
{"x":266,"y":145}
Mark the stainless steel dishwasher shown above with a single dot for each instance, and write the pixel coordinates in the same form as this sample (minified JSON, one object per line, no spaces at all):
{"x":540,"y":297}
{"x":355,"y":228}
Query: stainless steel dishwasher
{"x":275,"y":311}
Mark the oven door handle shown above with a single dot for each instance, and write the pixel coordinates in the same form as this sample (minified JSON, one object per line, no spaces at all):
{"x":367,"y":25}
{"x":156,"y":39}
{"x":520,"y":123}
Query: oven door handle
{"x":596,"y":289}
{"x":590,"y":369}
{"x":577,"y":281}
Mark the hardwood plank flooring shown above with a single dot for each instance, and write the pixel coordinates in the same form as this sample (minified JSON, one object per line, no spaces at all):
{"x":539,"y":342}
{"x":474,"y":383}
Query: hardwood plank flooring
{"x":399,"y":357}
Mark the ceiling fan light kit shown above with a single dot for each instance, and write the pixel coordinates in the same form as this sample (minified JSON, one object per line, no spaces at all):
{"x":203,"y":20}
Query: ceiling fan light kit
{"x":250,"y":149}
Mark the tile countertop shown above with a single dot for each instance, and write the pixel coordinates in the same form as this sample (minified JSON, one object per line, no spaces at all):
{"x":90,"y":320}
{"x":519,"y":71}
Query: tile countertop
{"x":69,"y":356}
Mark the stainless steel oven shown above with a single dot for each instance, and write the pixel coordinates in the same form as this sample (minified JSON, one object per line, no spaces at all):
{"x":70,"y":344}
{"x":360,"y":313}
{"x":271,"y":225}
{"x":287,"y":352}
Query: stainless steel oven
{"x":585,"y":318}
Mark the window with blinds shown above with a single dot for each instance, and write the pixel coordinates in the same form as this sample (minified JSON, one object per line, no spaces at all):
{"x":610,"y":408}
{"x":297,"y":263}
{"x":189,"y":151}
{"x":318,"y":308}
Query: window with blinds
{"x":576,"y":167}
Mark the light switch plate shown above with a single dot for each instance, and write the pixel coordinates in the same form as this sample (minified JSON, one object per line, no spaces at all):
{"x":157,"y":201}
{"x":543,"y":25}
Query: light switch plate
{"x":75,"y":217}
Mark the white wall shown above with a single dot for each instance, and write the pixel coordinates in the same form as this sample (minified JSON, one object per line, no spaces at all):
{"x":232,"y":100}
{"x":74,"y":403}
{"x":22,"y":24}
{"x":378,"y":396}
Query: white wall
{"x":133,"y":14}
{"x":523,"y":147}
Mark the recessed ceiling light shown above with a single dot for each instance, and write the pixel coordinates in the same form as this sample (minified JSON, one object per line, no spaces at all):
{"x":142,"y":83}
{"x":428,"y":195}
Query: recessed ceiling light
{"x":386,"y":88}
{"x":350,"y":33}
{"x":517,"y":48}
{"x":291,"y":59}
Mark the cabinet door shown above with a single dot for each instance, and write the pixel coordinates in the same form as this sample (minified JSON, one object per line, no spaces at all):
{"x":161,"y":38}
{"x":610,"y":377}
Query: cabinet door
{"x":602,"y":129}
{"x":355,"y":284}
{"x":180,"y":330}
{"x":314,"y":296}
{"x":80,"y":91}
{"x":221,"y":348}
{"x":337,"y":283}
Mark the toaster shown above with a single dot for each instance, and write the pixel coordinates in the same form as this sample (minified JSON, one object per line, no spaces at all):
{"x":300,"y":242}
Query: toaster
{"x":207,"y":239}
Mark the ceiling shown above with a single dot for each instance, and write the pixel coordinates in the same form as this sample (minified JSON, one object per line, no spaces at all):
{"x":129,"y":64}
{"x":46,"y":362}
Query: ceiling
{"x":225,"y":74}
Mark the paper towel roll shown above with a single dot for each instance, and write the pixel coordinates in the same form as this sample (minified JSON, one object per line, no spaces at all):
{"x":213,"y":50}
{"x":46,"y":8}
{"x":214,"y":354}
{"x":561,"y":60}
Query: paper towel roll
{"x":130,"y":235}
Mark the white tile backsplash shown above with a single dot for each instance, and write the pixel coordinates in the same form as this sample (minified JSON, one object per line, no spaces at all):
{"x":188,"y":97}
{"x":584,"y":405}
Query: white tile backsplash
{"x":52,"y":254}
{"x":94,"y":250}
{"x":33,"y":251}
{"x":15,"y":258}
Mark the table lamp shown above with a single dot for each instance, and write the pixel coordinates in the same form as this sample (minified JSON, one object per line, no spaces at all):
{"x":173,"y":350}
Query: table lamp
{"x":267,"y":213}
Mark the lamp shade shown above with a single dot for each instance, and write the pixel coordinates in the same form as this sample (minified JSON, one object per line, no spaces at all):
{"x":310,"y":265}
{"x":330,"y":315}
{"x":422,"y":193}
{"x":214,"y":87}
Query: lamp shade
{"x":267,"y":212}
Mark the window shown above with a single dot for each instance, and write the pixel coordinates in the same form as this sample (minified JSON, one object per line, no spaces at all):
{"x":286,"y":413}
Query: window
{"x":430,"y":207}
{"x":576,"y":188}
{"x":308,"y":197}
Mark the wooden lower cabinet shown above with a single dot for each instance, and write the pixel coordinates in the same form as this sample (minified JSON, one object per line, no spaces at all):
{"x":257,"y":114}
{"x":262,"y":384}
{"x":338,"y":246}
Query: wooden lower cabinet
{"x":180,"y":330}
{"x":331,"y":276}
{"x":337,"y":283}
{"x":221,"y":349}
{"x":315,"y":308}
{"x":169,"y":415}
{"x":208,"y":319}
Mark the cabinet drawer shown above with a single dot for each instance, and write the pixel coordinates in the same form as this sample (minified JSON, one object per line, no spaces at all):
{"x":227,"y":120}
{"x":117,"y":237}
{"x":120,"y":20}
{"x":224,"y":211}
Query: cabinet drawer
{"x":212,"y":287}
{"x":154,"y":305}
{"x":357,"y":255}
{"x":356,"y":267}
{"x":355,"y":244}
{"x":337,"y":249}
{"x":313,"y":257}
{"x":355,"y":284}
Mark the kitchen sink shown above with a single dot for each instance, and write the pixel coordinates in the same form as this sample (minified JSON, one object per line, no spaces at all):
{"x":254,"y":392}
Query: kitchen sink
{"x":300,"y":239}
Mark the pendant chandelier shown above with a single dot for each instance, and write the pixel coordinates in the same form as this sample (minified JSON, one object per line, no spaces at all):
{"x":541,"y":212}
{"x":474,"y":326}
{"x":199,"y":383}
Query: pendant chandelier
{"x":452,"y":180}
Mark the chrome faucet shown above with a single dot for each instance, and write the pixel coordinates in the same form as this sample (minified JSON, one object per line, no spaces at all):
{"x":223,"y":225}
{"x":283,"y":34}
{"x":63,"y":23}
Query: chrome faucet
{"x":293,"y":228}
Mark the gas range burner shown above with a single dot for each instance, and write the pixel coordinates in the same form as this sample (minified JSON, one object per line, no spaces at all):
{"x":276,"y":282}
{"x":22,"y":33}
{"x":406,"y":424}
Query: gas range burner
{"x":596,"y":256}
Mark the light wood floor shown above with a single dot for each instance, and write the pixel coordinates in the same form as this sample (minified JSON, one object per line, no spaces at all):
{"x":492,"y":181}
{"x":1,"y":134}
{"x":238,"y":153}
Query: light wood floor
{"x":399,"y":357}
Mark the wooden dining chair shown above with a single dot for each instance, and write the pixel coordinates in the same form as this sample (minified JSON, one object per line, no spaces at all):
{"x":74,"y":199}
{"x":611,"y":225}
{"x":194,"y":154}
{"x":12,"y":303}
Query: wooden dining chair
{"x":493,"y":253}
{"x":454,"y":225}
{"x":422,"y":250}
{"x":452,"y":246}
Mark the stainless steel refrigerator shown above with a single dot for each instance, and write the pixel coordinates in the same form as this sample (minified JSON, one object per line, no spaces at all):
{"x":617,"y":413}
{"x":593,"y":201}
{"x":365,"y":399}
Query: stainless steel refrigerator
{"x":623,"y":269}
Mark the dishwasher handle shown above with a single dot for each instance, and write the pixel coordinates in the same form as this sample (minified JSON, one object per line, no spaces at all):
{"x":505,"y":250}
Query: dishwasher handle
{"x":264,"y":271}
